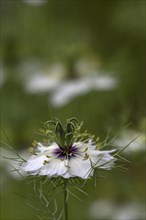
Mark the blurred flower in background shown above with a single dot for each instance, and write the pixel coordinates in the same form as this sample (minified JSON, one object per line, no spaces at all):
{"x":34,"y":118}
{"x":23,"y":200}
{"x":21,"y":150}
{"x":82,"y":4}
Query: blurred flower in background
{"x":134,"y":139}
{"x":41,"y":78}
{"x":108,"y":209}
{"x":66,"y":91}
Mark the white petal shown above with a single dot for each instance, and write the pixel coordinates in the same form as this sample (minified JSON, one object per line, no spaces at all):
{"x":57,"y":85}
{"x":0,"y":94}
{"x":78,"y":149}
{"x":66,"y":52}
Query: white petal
{"x":34,"y":163}
{"x":41,"y":148}
{"x":102,"y":159}
{"x":79,"y":167}
{"x":82,"y":147}
{"x":46,"y":149}
{"x":67,"y":175}
{"x":55,"y":167}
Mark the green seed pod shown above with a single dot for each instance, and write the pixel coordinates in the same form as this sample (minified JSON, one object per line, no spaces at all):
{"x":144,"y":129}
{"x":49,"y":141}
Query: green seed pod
{"x":60,"y":134}
{"x":70,"y":127}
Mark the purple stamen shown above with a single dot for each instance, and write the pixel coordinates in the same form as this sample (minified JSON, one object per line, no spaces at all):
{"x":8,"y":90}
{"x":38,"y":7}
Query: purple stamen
{"x":66,"y":153}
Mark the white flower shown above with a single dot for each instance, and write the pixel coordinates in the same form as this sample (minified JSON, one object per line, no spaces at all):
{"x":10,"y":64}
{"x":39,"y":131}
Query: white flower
{"x":79,"y":160}
{"x":108,"y":209}
{"x":68,"y":90}
{"x":135,"y":141}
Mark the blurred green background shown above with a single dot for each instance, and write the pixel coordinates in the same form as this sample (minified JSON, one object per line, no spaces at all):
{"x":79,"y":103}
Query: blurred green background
{"x":83,"y":59}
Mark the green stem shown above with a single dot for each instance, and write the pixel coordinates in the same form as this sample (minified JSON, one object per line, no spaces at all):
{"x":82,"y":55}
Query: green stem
{"x":95,"y":181}
{"x":65,"y":201}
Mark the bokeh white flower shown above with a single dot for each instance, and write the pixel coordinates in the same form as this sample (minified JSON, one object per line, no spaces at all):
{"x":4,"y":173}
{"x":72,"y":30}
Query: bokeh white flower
{"x":125,"y":139}
{"x":110,"y":209}
{"x":70,"y":89}
{"x":40,"y":77}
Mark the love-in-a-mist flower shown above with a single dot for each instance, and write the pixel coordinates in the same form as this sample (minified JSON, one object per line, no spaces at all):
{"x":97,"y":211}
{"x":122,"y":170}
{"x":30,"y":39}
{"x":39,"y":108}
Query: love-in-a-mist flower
{"x":66,"y":153}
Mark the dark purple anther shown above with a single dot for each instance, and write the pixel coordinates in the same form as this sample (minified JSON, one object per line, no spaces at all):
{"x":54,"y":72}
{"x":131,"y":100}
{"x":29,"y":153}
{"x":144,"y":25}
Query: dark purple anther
{"x":66,"y":153}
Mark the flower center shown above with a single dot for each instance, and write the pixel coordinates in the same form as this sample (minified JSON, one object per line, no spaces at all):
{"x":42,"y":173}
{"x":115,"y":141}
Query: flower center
{"x":66,"y":153}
